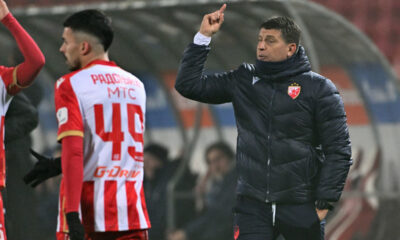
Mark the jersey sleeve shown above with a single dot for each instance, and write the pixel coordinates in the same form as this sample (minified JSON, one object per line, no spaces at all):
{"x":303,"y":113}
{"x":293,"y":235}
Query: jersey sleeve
{"x":69,"y":115}
{"x":9,"y":77}
{"x":72,"y":169}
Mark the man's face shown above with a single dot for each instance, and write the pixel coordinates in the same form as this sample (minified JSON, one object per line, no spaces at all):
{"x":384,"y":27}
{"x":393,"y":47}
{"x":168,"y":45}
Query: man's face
{"x":70,"y":49}
{"x":218,"y":163}
{"x":272,"y":47}
{"x":151,"y":164}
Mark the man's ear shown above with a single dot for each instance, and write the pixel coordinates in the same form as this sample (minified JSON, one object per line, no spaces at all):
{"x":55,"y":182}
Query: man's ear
{"x":292,"y":49}
{"x":85,"y":48}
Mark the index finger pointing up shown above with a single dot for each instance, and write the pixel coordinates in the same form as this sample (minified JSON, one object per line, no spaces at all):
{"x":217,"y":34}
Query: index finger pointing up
{"x":222,"y":9}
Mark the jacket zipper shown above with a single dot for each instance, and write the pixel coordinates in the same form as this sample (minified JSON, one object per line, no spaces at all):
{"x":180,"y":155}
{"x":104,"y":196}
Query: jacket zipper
{"x":269,"y":141}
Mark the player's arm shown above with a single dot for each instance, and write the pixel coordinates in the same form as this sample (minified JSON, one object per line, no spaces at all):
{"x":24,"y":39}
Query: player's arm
{"x":25,"y":72}
{"x":70,"y":134}
{"x":72,"y":168}
{"x":191,"y":82}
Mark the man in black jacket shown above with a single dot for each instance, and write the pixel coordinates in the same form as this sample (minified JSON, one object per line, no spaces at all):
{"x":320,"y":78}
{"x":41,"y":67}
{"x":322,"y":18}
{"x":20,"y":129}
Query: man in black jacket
{"x":293,"y":146}
{"x":20,"y":120}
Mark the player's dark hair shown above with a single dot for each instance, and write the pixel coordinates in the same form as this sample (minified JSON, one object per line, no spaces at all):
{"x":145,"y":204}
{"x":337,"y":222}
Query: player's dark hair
{"x":290,"y":30}
{"x":93,"y":22}
{"x":223,"y":147}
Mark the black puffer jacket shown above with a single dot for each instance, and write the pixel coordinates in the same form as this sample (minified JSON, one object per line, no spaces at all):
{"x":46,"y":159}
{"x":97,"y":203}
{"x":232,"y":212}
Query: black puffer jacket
{"x":278,"y":135}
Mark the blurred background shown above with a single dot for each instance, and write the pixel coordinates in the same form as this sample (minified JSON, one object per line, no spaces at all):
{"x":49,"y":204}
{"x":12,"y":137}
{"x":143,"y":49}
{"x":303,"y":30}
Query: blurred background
{"x":354,"y":43}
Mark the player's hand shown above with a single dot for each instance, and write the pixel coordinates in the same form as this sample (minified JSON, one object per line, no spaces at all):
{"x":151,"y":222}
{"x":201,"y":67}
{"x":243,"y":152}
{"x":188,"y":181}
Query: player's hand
{"x":3,"y":9}
{"x":44,"y":169}
{"x":75,"y":227}
{"x":212,"y":22}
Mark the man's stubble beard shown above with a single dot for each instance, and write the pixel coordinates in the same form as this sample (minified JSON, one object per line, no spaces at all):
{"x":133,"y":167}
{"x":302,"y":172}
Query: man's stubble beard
{"x":72,"y":66}
{"x":76,"y":65}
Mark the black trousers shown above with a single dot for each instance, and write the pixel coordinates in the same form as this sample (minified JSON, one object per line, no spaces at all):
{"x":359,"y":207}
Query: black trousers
{"x":254,"y":220}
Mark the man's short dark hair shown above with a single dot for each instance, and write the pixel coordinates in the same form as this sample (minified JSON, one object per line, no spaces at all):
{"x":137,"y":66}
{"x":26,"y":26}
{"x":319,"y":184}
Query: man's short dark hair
{"x":92,"y":22}
{"x":223,"y":147}
{"x":290,"y":30}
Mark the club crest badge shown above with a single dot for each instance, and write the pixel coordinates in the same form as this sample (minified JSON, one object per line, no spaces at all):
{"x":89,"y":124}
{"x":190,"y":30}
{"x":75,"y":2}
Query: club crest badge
{"x":294,"y":90}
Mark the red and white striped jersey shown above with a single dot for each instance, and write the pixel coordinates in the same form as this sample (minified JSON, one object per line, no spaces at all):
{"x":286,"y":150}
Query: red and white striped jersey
{"x":8,"y":87}
{"x":106,"y":105}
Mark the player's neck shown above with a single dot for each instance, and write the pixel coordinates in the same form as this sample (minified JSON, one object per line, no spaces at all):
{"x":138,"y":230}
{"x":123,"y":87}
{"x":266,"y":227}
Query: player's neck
{"x":90,"y":58}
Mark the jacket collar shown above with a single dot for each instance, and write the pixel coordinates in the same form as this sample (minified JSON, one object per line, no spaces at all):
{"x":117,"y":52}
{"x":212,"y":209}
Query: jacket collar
{"x":292,"y":66}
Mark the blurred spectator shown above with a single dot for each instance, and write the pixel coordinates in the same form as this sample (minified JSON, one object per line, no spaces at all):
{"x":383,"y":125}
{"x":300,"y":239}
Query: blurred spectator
{"x":158,"y":170}
{"x":155,"y":178}
{"x":217,"y":193}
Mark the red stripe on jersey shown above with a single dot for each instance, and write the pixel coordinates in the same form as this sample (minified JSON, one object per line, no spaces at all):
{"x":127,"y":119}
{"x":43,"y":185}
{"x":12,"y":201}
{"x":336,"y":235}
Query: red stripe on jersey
{"x":144,"y":206}
{"x":133,"y":215}
{"x":87,"y":206}
{"x":110,"y":206}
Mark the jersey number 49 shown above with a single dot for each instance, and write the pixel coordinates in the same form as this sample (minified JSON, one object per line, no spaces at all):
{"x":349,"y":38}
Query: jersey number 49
{"x":116,"y":136}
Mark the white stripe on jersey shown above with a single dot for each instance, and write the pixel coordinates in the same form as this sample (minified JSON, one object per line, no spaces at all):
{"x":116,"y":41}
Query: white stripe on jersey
{"x":122,"y":209}
{"x":100,"y":223}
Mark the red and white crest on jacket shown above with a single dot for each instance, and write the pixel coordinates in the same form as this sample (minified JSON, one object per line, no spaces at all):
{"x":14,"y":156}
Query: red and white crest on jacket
{"x":294,"y":90}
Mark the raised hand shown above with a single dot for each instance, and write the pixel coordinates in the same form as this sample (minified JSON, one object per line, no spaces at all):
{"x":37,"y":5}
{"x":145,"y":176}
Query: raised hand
{"x":3,"y":9}
{"x":212,"y":22}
